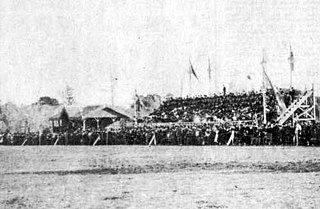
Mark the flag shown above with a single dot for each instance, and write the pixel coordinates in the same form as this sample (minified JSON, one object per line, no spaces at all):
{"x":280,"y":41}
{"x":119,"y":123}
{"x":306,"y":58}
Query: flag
{"x":291,"y":60}
{"x":192,"y":71}
{"x":275,"y":90}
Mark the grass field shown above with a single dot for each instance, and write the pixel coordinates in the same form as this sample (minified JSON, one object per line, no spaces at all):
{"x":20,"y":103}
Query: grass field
{"x":159,"y":177}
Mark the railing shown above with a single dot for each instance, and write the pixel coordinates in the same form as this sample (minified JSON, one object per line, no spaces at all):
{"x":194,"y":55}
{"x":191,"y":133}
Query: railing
{"x":243,"y":122}
{"x":294,"y":106}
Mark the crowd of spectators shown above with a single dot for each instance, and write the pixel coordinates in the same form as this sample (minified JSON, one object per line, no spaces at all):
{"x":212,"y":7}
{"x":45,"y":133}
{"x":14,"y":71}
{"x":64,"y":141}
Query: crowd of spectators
{"x":177,"y":134}
{"x":221,"y":122}
{"x":234,"y":107}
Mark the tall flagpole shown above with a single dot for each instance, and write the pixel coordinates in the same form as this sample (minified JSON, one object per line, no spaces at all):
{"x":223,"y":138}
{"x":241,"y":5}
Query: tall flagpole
{"x":209,"y":72}
{"x":290,"y":69}
{"x":215,"y":74}
{"x":135,"y":104}
{"x":190,"y":78}
{"x":181,"y":85}
{"x":189,"y":83}
{"x":113,"y":82}
{"x":112,"y":89}
{"x":263,"y":64}
{"x":291,"y":62}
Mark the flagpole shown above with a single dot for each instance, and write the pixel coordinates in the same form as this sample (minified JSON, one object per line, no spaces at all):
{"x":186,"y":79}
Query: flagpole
{"x":264,"y":103}
{"x":112,"y":89}
{"x":181,"y":86}
{"x":190,"y":78}
{"x":291,"y":66}
{"x":215,"y":70}
{"x":190,"y":83}
{"x":290,"y":78}
{"x":290,"y":69}
{"x":209,"y":72}
{"x":135,"y":104}
{"x":263,"y":63}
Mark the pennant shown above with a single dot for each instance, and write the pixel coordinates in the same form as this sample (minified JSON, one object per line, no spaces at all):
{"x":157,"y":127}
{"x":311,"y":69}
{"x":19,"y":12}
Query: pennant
{"x":192,"y":71}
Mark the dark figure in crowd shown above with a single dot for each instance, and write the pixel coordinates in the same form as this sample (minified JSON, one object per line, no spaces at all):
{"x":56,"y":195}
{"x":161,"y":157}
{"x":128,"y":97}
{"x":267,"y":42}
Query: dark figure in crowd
{"x":292,"y":94}
{"x":287,"y":99}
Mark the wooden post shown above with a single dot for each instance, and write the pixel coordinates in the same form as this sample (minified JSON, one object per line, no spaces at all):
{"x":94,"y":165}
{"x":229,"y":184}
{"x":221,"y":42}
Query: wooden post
{"x":209,"y":72}
{"x":216,"y":136}
{"x":26,"y":127}
{"x":190,"y":82}
{"x":59,"y":125}
{"x":107,"y":137}
{"x":264,"y":88}
{"x":230,"y":141}
{"x":40,"y":137}
{"x":153,"y":139}
{"x":56,"y":142}
{"x":24,"y":142}
{"x":84,"y":125}
{"x":314,"y":102}
{"x":291,"y":63}
{"x":95,"y":142}
{"x":98,"y":125}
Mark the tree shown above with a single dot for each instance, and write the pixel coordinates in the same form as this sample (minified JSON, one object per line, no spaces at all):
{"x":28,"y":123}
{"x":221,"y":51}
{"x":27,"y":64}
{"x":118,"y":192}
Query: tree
{"x":48,"y":101}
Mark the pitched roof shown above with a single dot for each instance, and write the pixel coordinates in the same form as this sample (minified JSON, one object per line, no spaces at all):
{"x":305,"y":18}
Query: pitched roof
{"x":58,"y":113}
{"x":103,"y":112}
{"x":99,"y":113}
{"x":117,"y":112}
{"x":74,"y":112}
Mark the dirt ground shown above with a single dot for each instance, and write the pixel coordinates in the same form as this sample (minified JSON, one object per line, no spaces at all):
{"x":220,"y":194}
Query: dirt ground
{"x":159,"y":177}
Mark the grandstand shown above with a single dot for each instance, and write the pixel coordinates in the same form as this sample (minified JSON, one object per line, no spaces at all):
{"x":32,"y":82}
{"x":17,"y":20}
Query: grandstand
{"x":226,"y":119}
{"x":230,"y":107}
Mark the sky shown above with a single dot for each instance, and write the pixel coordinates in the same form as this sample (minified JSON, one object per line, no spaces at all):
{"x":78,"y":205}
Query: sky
{"x":147,"y":46}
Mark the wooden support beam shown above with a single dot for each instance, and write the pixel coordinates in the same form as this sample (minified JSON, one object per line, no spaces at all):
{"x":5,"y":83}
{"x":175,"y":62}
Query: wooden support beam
{"x":56,"y":142}
{"x":98,"y":139}
{"x":24,"y":142}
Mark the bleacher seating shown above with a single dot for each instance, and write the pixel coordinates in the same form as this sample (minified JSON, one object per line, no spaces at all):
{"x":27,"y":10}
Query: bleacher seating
{"x":244,"y":106}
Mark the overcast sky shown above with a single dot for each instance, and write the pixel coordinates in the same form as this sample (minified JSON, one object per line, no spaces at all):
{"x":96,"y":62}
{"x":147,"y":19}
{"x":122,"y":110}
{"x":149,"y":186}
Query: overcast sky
{"x":146,"y":44}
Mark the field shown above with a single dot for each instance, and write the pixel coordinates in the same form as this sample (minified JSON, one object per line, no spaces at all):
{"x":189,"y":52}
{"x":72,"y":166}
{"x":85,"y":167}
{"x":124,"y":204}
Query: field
{"x":159,"y":177}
